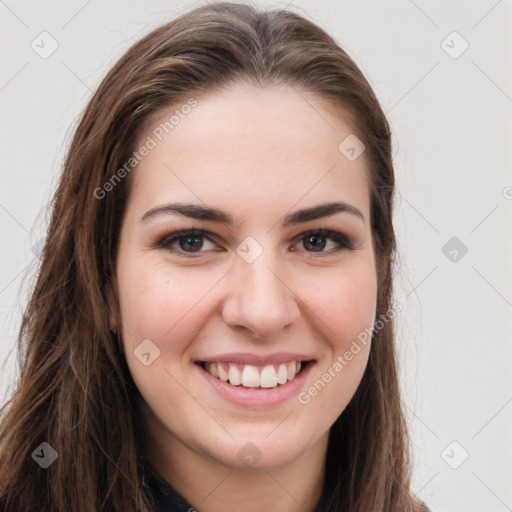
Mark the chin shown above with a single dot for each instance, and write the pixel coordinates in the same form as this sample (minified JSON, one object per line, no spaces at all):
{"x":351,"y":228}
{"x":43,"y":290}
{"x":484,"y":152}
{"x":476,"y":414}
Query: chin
{"x":257,"y":450}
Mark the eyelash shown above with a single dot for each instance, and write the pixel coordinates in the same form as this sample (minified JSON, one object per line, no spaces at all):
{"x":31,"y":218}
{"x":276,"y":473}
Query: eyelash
{"x":165,"y":242}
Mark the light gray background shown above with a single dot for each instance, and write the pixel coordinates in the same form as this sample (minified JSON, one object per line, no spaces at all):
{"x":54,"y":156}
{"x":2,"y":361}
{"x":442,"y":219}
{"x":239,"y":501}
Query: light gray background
{"x":451,"y":119}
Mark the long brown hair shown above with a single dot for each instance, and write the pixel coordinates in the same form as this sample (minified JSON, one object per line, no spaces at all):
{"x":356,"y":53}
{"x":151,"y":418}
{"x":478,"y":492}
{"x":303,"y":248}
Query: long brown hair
{"x":75,"y":391}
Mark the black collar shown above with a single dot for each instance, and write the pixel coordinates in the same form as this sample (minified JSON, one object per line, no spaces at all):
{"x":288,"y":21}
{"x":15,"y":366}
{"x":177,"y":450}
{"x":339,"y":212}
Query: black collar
{"x":165,"y":498}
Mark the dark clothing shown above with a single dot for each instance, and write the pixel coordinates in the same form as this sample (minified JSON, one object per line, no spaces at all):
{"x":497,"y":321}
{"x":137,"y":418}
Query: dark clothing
{"x":165,"y":498}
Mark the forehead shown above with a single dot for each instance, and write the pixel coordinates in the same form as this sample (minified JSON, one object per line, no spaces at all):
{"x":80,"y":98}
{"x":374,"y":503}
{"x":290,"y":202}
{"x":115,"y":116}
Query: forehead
{"x":261,"y":145}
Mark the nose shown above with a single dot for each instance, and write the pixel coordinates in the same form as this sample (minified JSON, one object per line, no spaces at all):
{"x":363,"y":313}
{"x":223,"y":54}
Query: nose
{"x":260,"y":297}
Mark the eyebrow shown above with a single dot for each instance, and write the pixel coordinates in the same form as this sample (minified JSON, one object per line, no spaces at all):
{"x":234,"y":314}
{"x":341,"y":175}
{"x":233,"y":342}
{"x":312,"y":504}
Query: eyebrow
{"x":197,"y":211}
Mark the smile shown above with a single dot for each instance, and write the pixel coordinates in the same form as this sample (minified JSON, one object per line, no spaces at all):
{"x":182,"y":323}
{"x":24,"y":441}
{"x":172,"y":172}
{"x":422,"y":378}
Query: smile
{"x":252,"y":376}
{"x":255,"y":381}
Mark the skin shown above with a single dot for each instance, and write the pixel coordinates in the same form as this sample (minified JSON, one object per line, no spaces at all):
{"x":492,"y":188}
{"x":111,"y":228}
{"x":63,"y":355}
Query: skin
{"x":258,"y":154}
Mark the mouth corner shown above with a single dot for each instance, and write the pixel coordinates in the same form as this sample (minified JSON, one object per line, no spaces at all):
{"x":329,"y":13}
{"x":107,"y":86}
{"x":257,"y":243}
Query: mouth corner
{"x":306,"y":364}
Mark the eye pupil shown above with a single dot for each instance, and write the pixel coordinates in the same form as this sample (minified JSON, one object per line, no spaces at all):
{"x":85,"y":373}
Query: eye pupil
{"x":315,"y":244}
{"x":194,"y":246}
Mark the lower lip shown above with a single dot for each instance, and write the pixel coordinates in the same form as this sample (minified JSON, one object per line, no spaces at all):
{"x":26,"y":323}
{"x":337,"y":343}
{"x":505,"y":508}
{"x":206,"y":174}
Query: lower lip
{"x":251,"y":397}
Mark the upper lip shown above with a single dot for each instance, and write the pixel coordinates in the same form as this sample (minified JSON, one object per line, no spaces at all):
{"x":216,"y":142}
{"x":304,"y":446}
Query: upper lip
{"x":255,"y":359}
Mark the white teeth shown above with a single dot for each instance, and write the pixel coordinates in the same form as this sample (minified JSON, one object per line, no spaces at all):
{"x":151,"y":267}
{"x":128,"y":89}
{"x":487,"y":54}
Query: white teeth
{"x":234,"y":375}
{"x":291,"y":370}
{"x":268,"y":378}
{"x":223,"y":374}
{"x":282,"y":374}
{"x":214,"y":369}
{"x":250,"y":375}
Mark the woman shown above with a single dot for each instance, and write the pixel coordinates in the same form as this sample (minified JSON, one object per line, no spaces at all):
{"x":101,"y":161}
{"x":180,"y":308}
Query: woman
{"x":212,"y":324}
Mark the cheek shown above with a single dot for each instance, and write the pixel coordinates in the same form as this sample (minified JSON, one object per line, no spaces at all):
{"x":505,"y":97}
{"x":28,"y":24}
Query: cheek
{"x":345,"y":302}
{"x":346,"y":308}
{"x":156,"y":300}
{"x":155,"y":306}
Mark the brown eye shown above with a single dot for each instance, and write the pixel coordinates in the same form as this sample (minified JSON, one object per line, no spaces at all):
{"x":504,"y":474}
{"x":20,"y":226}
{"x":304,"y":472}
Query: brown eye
{"x":192,"y":241}
{"x":189,"y":242}
{"x":316,"y":241}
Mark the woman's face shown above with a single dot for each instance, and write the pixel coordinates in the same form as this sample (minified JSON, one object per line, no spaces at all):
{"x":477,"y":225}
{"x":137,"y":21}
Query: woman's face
{"x":255,"y":291}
